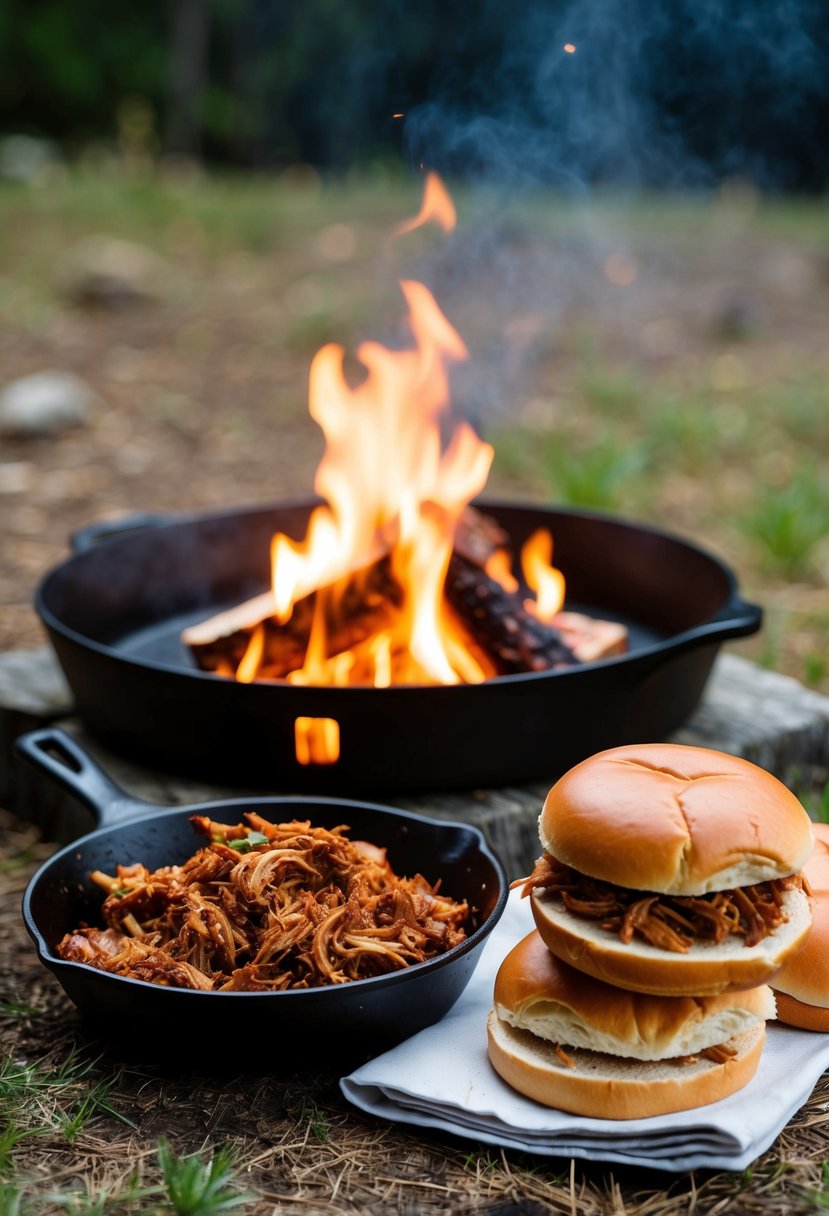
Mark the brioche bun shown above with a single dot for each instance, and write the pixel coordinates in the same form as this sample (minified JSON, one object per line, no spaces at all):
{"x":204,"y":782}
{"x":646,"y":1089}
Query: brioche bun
{"x":803,"y":983}
{"x":535,"y":991}
{"x":606,"y":1087}
{"x":630,"y":1056}
{"x":706,"y":969}
{"x":800,"y":1014}
{"x":674,"y":819}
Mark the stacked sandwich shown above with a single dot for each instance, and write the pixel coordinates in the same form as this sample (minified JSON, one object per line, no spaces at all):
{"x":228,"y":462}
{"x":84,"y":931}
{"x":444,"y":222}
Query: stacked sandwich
{"x":669,"y":893}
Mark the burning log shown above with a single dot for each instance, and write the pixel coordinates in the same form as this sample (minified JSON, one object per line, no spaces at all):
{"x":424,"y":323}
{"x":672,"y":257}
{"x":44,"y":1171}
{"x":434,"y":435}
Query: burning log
{"x":352,"y":612}
{"x":591,"y":639}
{"x":496,"y":618}
{"x":479,"y":537}
{"x":249,"y":642}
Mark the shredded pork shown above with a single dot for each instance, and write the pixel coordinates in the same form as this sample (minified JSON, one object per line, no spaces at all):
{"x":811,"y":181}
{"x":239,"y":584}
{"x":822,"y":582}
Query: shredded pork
{"x":671,"y":922}
{"x":265,"y":907}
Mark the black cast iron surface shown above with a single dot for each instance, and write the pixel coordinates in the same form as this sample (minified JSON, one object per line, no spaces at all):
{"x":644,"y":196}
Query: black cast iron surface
{"x":367,"y":1014}
{"x":115,"y":610}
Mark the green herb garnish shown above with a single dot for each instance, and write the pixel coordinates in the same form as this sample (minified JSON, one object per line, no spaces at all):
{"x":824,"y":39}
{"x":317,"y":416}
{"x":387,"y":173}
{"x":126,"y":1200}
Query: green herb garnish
{"x":245,"y":843}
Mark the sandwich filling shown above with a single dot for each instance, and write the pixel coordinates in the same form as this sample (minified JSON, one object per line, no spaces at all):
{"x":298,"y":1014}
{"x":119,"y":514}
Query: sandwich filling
{"x":669,"y":922}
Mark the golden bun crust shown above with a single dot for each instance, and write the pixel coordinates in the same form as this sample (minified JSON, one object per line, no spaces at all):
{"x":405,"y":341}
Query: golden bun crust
{"x":676,"y":819}
{"x":705,"y":970}
{"x":535,"y":991}
{"x":804,"y":980}
{"x":798,"y":1013}
{"x":606,"y":1087}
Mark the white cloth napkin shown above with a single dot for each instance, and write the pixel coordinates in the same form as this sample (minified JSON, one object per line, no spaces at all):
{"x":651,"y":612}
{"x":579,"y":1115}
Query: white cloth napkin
{"x":442,"y":1078}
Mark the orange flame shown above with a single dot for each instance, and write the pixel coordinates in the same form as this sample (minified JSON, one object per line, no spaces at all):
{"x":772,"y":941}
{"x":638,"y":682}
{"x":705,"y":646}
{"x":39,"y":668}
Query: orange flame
{"x":542,"y":576}
{"x":392,"y":491}
{"x":437,"y":207}
{"x":394,"y":481}
{"x":499,"y":568}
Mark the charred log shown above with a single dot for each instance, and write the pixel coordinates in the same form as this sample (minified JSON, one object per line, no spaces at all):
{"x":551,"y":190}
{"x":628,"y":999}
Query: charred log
{"x":365,"y":604}
{"x":515,"y":640}
{"x":502,"y":635}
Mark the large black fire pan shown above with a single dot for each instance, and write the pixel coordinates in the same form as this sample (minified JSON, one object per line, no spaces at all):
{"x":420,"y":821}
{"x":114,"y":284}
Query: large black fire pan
{"x":114,"y":612}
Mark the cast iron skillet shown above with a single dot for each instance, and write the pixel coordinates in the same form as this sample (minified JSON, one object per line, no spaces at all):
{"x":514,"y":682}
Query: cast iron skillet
{"x":115,"y":611}
{"x":368,"y":1014}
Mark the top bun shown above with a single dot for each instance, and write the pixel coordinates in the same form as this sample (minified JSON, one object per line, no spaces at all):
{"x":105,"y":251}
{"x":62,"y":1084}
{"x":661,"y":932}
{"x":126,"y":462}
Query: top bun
{"x":679,"y":820}
{"x":538,"y":992}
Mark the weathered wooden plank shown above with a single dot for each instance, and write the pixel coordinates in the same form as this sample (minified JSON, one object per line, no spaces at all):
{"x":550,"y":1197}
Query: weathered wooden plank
{"x":761,"y":715}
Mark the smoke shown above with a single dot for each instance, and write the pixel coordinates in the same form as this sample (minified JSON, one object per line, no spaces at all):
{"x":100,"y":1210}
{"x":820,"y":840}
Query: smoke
{"x":674,"y":94}
{"x":589,"y":96}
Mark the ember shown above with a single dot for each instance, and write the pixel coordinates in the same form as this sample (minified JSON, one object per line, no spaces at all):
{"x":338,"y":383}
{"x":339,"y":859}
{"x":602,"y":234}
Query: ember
{"x":398,"y":580}
{"x":265,"y":907}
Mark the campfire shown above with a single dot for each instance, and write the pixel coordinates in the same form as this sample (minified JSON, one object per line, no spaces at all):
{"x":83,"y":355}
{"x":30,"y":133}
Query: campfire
{"x":399,"y":580}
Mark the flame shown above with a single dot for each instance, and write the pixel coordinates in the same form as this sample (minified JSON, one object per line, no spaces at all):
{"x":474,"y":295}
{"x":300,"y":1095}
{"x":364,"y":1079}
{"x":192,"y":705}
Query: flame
{"x":542,"y":576}
{"x":395,"y":478}
{"x":437,"y":207}
{"x":393,"y":492}
{"x":499,"y":568}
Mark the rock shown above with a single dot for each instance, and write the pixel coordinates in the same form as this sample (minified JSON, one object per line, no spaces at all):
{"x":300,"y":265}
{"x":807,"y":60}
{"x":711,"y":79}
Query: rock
{"x":109,"y":272}
{"x":26,"y":158}
{"x":45,"y":403}
{"x":737,"y":316}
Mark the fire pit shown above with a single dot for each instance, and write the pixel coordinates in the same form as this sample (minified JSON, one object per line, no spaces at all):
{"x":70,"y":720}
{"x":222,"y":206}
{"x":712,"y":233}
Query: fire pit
{"x":115,"y":614}
{"x":389,"y":635}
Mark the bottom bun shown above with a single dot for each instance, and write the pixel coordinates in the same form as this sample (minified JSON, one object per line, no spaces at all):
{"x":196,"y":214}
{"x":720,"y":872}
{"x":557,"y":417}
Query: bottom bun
{"x":607,"y":1087}
{"x":797,"y":1013}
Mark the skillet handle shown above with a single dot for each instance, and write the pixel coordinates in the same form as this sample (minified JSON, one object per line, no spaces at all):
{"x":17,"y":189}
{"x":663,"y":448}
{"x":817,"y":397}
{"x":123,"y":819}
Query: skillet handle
{"x":737,"y":619}
{"x":110,"y":529}
{"x":55,"y":752}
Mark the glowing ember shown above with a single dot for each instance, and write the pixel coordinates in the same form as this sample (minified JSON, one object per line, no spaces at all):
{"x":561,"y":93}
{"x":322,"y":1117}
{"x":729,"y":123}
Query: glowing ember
{"x":317,"y":740}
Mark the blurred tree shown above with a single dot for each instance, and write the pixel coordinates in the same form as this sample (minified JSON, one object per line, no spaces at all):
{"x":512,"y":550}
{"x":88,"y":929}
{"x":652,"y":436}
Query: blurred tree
{"x":65,"y":67}
{"x":187,"y":74}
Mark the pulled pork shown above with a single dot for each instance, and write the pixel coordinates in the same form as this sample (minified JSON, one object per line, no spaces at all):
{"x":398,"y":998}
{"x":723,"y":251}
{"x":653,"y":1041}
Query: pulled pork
{"x":264,"y":907}
{"x":671,"y":922}
{"x":720,"y":1053}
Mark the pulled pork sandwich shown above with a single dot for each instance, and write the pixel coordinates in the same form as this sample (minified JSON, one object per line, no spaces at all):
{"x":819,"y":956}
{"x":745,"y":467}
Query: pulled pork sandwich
{"x":671,"y":870}
{"x":802,"y":986}
{"x":263,"y":907}
{"x":573,"y":1042}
